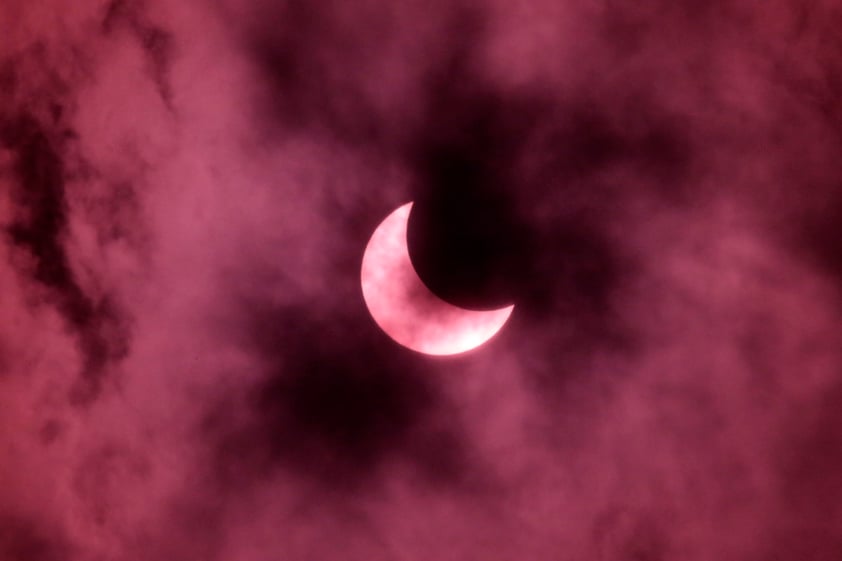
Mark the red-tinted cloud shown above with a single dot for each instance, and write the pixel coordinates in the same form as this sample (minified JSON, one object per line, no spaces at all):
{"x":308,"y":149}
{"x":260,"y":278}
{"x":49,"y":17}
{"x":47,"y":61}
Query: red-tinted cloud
{"x":188,"y":369}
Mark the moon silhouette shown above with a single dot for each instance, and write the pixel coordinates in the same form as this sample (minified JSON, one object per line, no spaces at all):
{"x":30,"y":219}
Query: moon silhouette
{"x":403,"y":306}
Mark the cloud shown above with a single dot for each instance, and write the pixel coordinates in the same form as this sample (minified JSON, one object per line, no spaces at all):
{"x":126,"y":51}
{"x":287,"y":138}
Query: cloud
{"x":187,"y":367}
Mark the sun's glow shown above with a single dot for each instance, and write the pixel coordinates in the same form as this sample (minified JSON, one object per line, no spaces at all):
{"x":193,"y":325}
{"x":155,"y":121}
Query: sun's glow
{"x":406,"y":309}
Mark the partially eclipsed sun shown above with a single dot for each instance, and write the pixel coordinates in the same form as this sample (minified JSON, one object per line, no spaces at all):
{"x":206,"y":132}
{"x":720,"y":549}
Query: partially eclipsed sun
{"x":406,"y":309}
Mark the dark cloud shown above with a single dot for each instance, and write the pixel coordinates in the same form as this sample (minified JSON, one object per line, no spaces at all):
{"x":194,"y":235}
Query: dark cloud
{"x":38,"y":167}
{"x":474,"y":237}
{"x":468,"y":234}
{"x":41,"y":230}
{"x":337,"y":405}
{"x":24,"y":539}
{"x":631,"y":535}
{"x":481,"y":158}
{"x":821,"y":234}
{"x":811,"y":484}
{"x":315,"y":59}
{"x":157,"y":43}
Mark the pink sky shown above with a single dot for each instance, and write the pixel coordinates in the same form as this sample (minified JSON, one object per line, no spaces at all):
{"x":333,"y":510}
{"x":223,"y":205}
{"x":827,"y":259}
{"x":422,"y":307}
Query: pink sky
{"x":187,"y":366}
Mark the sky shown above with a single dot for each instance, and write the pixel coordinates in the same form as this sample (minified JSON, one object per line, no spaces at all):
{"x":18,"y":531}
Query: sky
{"x":188,"y":369}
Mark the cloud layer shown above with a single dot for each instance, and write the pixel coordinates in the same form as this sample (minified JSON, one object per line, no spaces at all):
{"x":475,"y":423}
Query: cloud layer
{"x":187,"y":367}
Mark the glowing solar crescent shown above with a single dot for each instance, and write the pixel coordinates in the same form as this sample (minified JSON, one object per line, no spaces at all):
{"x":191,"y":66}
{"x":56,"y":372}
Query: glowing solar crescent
{"x":403,"y":306}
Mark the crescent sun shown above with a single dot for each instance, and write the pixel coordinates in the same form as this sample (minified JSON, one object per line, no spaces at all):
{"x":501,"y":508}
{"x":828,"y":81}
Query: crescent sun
{"x":406,"y":310}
